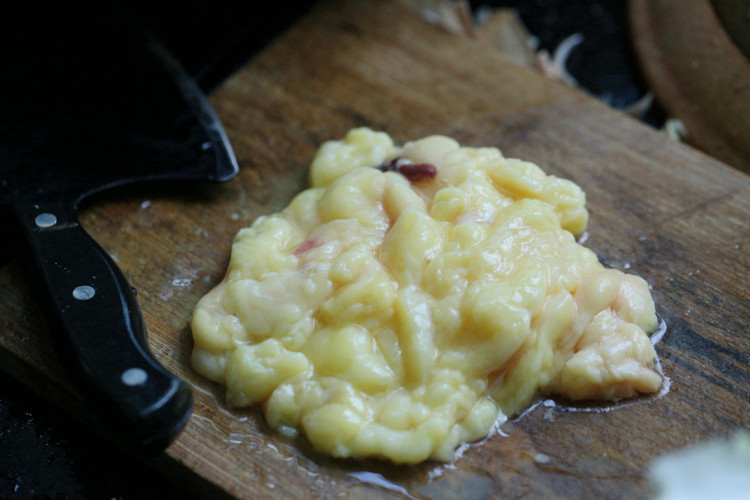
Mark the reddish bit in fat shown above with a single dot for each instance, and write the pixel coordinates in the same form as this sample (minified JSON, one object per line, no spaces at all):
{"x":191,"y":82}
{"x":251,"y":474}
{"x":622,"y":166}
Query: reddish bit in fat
{"x":416,"y":172}
{"x":306,"y":245}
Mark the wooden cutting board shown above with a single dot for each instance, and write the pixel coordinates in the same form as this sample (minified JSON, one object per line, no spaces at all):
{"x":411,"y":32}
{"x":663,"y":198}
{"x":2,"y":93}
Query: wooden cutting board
{"x":658,"y":209}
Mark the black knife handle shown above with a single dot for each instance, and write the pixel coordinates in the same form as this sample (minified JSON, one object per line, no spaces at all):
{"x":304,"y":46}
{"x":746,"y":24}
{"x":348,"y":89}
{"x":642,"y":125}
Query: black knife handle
{"x":96,"y":324}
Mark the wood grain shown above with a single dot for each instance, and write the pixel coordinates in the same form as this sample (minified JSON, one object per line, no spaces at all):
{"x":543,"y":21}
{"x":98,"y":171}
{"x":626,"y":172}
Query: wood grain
{"x":658,"y":209}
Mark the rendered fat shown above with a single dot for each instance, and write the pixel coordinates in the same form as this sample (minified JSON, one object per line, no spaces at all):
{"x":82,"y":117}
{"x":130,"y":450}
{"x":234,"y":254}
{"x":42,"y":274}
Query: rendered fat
{"x":397,"y":318}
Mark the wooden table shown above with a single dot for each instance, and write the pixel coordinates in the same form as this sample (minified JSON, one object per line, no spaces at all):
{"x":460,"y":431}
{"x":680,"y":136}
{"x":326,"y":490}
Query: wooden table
{"x":658,"y":209}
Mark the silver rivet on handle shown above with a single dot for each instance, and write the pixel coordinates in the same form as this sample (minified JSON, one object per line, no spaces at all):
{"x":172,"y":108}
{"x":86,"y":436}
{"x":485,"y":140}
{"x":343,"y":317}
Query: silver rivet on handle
{"x":83,"y":292}
{"x":133,"y":376}
{"x":45,"y":220}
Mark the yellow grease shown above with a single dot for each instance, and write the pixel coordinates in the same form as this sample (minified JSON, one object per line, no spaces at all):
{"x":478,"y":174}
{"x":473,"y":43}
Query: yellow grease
{"x":384,"y":318}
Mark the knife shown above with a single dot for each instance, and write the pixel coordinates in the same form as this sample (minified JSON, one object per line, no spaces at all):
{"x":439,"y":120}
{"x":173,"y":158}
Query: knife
{"x":89,"y":101}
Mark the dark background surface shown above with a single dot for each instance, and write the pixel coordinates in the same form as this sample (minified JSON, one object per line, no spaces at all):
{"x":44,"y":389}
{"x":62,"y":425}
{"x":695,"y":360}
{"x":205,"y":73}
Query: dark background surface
{"x":46,"y":454}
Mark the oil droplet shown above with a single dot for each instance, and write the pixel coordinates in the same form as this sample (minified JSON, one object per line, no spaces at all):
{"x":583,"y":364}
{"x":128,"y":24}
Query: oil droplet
{"x":378,"y":481}
{"x":659,"y":333}
{"x":181,"y":282}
